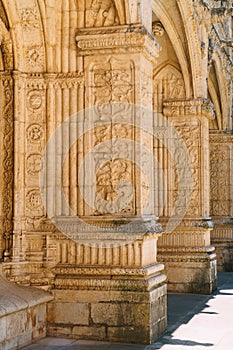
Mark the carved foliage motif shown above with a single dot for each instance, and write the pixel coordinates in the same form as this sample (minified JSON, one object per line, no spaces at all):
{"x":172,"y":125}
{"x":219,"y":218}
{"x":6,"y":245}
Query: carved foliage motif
{"x":113,"y":190}
{"x":112,"y":85}
{"x":190,"y":133}
{"x":29,"y":18}
{"x":220,"y":184}
{"x":35,"y":56}
{"x":99,"y":13}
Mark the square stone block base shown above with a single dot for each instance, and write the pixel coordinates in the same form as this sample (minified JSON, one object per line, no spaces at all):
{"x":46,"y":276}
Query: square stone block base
{"x":222,"y":240}
{"x":191,"y":274}
{"x":120,"y":316}
{"x":224,"y":252}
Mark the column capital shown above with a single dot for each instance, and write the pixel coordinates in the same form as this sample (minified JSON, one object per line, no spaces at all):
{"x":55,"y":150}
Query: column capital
{"x":117,"y":40}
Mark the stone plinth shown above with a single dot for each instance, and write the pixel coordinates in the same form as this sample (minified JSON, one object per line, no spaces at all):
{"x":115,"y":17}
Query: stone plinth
{"x":125,"y":302}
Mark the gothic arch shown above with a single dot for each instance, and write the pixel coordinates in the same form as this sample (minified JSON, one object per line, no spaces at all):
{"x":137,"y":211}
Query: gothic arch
{"x":193,"y":47}
{"x":169,"y":80}
{"x":27,"y":34}
{"x":170,"y":27}
{"x":224,"y":104}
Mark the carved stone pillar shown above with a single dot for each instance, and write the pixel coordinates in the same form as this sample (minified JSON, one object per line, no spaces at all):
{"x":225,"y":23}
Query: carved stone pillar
{"x":117,"y":289}
{"x":221,"y":197}
{"x":190,"y":261}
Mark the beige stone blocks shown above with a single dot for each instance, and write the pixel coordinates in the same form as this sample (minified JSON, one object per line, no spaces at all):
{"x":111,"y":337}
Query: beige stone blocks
{"x":137,"y":317}
{"x":69,"y":313}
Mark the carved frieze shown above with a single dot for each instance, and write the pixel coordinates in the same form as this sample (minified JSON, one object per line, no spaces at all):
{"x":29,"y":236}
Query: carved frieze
{"x":122,"y":41}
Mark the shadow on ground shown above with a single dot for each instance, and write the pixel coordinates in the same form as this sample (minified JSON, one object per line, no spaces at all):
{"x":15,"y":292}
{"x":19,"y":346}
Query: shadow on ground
{"x":182,"y":308}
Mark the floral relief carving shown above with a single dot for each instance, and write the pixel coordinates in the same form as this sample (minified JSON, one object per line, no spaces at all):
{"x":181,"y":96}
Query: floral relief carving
{"x":30,"y":18}
{"x":113,"y":190}
{"x":34,"y":201}
{"x":220,"y":196}
{"x":112,"y":86}
{"x":35,"y":56}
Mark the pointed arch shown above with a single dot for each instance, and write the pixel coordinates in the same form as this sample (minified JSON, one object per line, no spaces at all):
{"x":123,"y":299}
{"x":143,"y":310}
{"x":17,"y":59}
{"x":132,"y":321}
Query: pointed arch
{"x":223,"y":90}
{"x":170,"y":27}
{"x":168,"y":84}
{"x":194,"y":47}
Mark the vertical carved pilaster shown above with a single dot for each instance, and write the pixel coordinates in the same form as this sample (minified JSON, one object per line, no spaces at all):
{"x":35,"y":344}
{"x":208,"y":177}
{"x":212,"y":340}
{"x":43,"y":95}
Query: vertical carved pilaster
{"x":187,"y":244}
{"x":221,"y":197}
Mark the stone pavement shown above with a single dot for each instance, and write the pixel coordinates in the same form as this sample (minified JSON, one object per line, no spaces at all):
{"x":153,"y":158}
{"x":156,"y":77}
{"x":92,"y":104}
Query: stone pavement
{"x":194,"y":321}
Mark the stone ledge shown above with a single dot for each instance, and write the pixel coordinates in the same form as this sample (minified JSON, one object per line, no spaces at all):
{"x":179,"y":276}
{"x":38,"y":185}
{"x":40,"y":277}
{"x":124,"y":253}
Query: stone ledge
{"x":22,"y":314}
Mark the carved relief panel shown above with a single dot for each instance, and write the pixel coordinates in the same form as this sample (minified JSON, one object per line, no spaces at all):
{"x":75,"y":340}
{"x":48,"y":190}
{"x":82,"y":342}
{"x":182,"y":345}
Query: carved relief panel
{"x":108,"y":84}
{"x":35,"y":132}
{"x":220,"y":179}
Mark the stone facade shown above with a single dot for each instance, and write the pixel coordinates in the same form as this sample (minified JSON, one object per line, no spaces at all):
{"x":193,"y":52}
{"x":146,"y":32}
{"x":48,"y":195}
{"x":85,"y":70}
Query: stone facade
{"x":116,"y":157}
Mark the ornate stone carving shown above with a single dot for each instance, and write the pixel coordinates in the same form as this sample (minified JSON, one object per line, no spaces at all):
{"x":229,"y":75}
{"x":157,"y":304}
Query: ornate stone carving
{"x":34,"y":100}
{"x":113,"y":191}
{"x":122,"y":41}
{"x":220,"y":180}
{"x":189,"y":108}
{"x":168,"y":84}
{"x":114,"y":85}
{"x":100,"y":13}
{"x":157,"y":29}
{"x":34,"y":163}
{"x":34,"y":199}
{"x":7,"y":162}
{"x":30,"y":18}
{"x":35,"y":55}
{"x":35,"y":133}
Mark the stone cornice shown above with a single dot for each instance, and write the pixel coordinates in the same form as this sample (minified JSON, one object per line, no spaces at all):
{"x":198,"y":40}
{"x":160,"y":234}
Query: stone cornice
{"x":122,"y":39}
{"x":185,"y":108}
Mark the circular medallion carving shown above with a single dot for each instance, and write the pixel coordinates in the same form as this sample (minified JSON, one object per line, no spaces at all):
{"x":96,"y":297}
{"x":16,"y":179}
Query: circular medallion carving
{"x":34,"y":100}
{"x":35,"y":133}
{"x":34,"y":200}
{"x":34,"y":164}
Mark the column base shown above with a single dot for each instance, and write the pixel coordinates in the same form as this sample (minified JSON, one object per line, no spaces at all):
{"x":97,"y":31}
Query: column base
{"x":190,"y":270}
{"x":189,"y":259}
{"x":111,"y":304}
{"x":222,"y":240}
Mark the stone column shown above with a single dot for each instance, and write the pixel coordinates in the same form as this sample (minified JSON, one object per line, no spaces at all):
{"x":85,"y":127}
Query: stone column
{"x":116,"y":288}
{"x":190,"y":261}
{"x":221,"y":197}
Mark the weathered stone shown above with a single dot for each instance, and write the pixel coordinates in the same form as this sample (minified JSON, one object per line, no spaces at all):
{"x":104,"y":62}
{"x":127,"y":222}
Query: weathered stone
{"x":68,"y":313}
{"x":80,"y":196}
